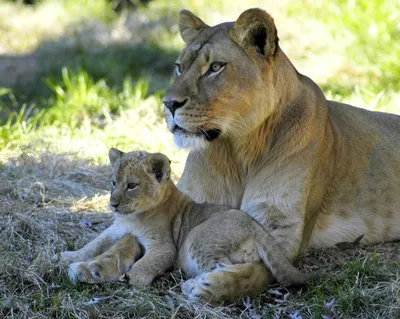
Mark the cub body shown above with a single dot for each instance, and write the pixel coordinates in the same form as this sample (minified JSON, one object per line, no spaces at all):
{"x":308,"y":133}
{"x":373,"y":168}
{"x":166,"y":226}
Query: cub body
{"x":224,"y":251}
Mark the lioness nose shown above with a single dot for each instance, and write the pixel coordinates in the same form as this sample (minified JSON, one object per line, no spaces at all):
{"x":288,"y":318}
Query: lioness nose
{"x":173,"y":104}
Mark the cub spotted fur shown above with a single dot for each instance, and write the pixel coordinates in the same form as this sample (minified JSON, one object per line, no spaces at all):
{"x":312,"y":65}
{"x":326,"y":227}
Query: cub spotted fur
{"x":224,"y":251}
{"x":264,"y":139}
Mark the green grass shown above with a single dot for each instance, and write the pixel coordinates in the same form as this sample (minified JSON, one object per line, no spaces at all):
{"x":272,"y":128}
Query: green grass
{"x":367,"y":34}
{"x":363,"y":288}
{"x":78,"y":78}
{"x":78,"y":101}
{"x":373,"y":33}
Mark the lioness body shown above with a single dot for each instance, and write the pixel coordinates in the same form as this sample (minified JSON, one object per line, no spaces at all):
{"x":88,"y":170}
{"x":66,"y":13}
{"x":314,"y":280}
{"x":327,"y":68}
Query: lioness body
{"x":264,"y":140}
{"x":225,"y":251}
{"x":364,"y":191}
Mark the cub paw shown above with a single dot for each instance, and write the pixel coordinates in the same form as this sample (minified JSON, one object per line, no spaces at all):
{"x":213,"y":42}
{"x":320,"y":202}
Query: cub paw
{"x":88,"y":272}
{"x":140,"y":279}
{"x":79,"y":272}
{"x":198,"y":288}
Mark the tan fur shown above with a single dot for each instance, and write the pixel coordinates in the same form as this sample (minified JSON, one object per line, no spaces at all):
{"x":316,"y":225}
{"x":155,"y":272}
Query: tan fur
{"x":225,"y":252}
{"x":314,"y":172}
{"x":110,"y":265}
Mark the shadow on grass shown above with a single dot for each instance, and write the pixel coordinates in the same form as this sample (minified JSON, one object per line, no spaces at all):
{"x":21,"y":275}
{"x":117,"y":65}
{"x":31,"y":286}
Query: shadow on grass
{"x":91,"y":48}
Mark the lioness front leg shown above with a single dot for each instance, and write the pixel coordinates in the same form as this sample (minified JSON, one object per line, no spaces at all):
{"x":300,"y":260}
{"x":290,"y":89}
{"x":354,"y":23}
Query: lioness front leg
{"x":97,"y":246}
{"x":158,"y":258}
{"x":110,"y":265}
{"x":285,"y":229}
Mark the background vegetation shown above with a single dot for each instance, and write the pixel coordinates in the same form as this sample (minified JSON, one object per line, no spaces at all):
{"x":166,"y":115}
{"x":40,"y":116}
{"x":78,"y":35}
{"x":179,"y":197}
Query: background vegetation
{"x":79,"y":77}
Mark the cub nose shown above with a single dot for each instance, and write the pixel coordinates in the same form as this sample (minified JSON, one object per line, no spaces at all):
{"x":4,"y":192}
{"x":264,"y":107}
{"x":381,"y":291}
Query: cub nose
{"x":115,"y":205}
{"x":173,"y":104}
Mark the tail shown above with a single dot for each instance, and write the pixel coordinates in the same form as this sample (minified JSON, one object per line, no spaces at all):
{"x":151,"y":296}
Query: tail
{"x":273,"y":256}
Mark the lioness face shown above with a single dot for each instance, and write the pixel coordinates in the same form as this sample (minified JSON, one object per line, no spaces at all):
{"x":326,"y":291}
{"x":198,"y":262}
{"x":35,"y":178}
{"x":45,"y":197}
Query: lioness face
{"x":139,"y":181}
{"x":218,"y":79}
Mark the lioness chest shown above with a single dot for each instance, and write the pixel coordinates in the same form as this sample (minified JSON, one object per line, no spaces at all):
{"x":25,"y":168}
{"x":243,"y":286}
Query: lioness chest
{"x":213,"y":178}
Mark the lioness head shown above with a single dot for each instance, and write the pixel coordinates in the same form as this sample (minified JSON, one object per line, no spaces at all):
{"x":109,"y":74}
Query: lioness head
{"x":139,"y":180}
{"x":224,"y":78}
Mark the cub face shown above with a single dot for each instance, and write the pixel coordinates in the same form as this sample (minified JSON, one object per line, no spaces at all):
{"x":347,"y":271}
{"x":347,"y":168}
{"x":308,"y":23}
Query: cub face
{"x":139,"y":180}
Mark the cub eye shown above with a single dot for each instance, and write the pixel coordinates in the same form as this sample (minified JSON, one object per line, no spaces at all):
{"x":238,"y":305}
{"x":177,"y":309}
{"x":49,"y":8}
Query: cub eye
{"x":132,"y":186}
{"x":113,"y":184}
{"x":178,"y":69}
{"x":216,"y":67}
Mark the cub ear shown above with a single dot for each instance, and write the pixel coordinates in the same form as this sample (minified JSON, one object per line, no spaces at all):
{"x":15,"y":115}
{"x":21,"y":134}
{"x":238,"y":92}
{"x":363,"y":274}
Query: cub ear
{"x":255,"y":32}
{"x":190,"y":26}
{"x":157,"y":164}
{"x":114,"y":155}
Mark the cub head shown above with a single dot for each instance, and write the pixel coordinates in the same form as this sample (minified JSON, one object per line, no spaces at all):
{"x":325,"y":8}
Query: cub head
{"x":224,"y":81}
{"x":139,"y":180}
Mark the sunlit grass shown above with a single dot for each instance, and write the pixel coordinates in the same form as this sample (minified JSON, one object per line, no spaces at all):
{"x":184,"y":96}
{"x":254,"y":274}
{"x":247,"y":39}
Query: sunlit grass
{"x":366,"y":36}
{"x":372,"y":29}
{"x":27,"y":26}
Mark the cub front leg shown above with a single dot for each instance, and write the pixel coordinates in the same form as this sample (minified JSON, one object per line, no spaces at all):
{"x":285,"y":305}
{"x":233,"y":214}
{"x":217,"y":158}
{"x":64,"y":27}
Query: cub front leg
{"x":158,"y":258}
{"x":97,"y":246}
{"x":110,"y":265}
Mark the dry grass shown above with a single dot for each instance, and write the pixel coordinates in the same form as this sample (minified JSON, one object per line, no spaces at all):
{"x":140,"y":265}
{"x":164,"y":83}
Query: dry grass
{"x":54,"y":175}
{"x":52,"y":202}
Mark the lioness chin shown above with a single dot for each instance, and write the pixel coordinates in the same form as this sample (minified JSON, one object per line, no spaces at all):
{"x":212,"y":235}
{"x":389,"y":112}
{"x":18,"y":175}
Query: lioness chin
{"x":263,"y":139}
{"x":224,"y":251}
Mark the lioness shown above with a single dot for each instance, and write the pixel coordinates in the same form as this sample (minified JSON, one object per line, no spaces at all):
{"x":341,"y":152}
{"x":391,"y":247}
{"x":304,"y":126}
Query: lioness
{"x":263,"y":139}
{"x":225,"y":250}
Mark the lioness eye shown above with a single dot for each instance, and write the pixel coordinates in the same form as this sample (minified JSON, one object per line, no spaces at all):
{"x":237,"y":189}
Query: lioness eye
{"x":113,"y":184}
{"x":132,"y":186}
{"x":178,"y":69}
{"x":216,"y":66}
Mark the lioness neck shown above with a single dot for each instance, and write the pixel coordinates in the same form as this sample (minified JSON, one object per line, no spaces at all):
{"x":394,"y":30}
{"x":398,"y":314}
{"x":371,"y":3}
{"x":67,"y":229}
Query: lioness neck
{"x":294,"y":101}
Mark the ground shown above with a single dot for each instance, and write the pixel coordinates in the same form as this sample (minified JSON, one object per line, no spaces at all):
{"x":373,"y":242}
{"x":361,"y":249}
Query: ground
{"x":77,"y":78}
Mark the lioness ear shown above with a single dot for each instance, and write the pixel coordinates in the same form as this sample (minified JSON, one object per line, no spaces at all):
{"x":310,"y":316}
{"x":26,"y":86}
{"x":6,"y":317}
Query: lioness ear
{"x":255,"y":32}
{"x":157,"y":164}
{"x":114,"y":155}
{"x":190,"y":26}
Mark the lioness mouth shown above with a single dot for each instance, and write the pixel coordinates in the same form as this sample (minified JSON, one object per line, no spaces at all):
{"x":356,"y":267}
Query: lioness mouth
{"x":209,"y":135}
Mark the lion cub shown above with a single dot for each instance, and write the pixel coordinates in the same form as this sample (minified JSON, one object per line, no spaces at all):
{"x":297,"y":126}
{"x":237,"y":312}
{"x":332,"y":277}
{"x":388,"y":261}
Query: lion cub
{"x":225,"y":252}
